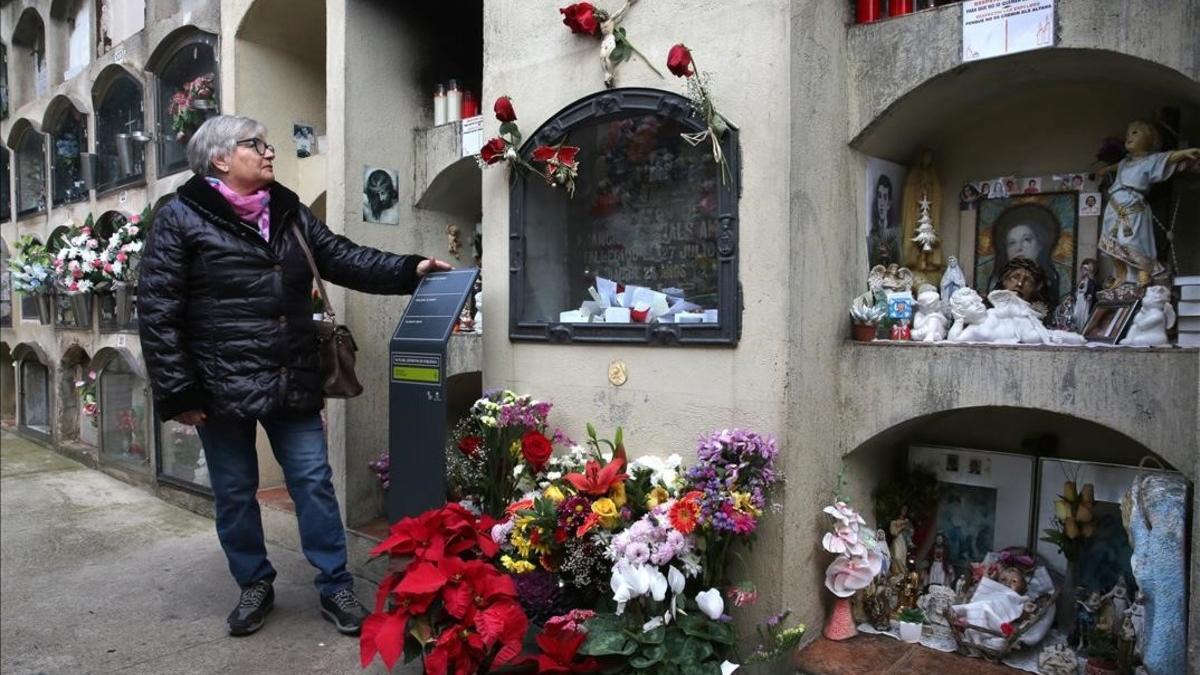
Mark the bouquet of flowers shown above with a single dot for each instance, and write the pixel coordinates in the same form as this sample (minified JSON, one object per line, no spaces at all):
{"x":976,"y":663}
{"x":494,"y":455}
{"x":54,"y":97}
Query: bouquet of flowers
{"x":78,"y":265}
{"x":120,"y":258}
{"x":87,"y":396}
{"x":32,"y":267}
{"x":561,"y":166}
{"x":189,"y":105}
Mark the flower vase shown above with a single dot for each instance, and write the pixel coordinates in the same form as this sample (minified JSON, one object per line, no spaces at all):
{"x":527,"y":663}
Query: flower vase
{"x":864,"y":332}
{"x":1067,"y":599}
{"x":124,"y":298}
{"x":81,"y":309}
{"x":839,"y":625}
{"x":45,"y":315}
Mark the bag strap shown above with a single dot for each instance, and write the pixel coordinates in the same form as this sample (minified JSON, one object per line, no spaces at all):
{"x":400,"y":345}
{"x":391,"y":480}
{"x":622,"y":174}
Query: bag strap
{"x":313,"y":265}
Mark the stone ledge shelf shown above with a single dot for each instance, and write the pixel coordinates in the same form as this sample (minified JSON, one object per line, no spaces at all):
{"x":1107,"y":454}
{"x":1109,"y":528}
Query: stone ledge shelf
{"x":903,"y":71}
{"x":464,"y":354}
{"x":444,"y":180}
{"x":1149,"y":395}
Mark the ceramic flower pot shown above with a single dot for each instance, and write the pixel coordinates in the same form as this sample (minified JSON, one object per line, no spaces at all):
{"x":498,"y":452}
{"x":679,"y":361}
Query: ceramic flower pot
{"x":863,"y":332}
{"x":840,"y":623}
{"x":910,"y":632}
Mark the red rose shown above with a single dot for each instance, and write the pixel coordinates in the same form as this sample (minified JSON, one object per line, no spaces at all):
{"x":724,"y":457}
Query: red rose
{"x":679,"y":61}
{"x":469,"y":445}
{"x":1006,"y":628}
{"x":504,"y":110}
{"x":536,"y":448}
{"x":581,"y":18}
{"x":493,"y":151}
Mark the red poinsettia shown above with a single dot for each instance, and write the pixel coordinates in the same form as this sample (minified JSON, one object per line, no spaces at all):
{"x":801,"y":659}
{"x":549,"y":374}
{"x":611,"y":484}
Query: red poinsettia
{"x":536,"y":449}
{"x":597,"y":481}
{"x":493,"y":151}
{"x":679,"y":61}
{"x":435,"y":534}
{"x":582,"y":18}
{"x":559,"y":649}
{"x":504,"y":109}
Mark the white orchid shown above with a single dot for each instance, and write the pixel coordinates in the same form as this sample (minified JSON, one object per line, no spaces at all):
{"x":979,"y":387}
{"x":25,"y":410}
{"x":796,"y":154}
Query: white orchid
{"x":711,"y":603}
{"x":843,"y":513}
{"x":844,"y":539}
{"x":664,"y":471}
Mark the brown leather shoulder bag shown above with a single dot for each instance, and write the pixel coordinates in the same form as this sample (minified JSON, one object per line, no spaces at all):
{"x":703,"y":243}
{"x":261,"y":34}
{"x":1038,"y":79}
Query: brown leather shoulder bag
{"x":335,"y":344}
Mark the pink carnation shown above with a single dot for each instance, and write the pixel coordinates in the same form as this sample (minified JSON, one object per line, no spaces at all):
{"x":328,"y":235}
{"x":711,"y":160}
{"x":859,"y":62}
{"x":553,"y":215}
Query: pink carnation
{"x":108,"y":268}
{"x":121,"y":257}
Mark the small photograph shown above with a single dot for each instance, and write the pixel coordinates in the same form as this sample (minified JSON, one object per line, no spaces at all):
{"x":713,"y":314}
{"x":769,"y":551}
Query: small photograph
{"x":951,"y":463}
{"x":1089,"y":204}
{"x":1031,"y":186}
{"x":1077,"y":181}
{"x":968,"y":197}
{"x":381,"y":196}
{"x":985,"y":189}
{"x":975,"y":466}
{"x":1000,"y":187}
{"x":306,"y":139}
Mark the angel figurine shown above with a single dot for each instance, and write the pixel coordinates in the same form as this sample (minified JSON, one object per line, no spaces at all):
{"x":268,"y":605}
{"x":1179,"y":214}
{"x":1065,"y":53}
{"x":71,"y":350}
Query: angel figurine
{"x":929,"y":325}
{"x":1127,"y":233}
{"x":1149,"y":327}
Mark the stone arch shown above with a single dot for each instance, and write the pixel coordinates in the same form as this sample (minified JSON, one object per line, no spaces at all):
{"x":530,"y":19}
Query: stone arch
{"x":172,"y":42}
{"x":60,"y":105}
{"x":18,"y":129}
{"x":28,"y":57}
{"x":72,"y":368}
{"x":107,"y":77}
{"x":8,"y":387}
{"x":72,"y":24}
{"x":124,"y":408}
{"x":109,"y":222}
{"x":35,"y":399}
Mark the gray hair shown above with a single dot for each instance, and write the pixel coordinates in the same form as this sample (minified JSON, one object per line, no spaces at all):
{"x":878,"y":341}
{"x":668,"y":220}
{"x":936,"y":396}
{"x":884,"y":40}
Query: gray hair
{"x":217,"y":137}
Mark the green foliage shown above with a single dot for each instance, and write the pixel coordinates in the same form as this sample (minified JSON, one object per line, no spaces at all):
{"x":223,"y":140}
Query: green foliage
{"x":692,"y":644}
{"x":912,"y":615}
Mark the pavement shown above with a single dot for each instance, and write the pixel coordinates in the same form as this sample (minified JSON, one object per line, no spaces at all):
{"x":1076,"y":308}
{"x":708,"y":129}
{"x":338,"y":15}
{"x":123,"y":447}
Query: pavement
{"x":99,"y":576}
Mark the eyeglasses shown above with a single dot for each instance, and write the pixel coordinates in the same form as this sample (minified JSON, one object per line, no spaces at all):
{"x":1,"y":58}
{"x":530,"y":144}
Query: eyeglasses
{"x":260,"y":146}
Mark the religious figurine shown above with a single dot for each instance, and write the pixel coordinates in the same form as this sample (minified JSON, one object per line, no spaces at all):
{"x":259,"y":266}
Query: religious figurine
{"x":902,"y":529}
{"x":939,"y":571}
{"x":1085,"y":618}
{"x":1150,"y":324}
{"x":883,"y":280}
{"x":479,"y":311}
{"x":1127,"y":233}
{"x":1058,"y":660}
{"x":921,"y":185}
{"x":881,"y":547}
{"x":1136,"y":614}
{"x":1117,"y":600}
{"x":929,"y":325}
{"x":1011,"y":320}
{"x":877,"y":604}
{"x":608,"y":43}
{"x":936,"y":601}
{"x":1085,"y":294}
{"x":952,"y":279}
{"x":453,"y":245}
{"x":908,"y":591}
{"x":1023,"y":277}
{"x":1126,"y":645}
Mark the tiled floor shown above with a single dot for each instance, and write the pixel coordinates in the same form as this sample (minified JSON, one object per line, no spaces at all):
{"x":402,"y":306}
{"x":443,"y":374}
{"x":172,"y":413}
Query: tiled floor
{"x":878,"y":655}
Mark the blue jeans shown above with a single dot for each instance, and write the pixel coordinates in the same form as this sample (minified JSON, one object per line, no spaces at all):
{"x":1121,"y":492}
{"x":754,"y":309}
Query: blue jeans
{"x":299,"y":446}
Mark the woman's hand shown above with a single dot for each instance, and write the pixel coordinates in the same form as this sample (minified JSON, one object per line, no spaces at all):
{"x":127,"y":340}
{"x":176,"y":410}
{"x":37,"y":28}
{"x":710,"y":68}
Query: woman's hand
{"x":192,"y":418}
{"x":432,"y":265}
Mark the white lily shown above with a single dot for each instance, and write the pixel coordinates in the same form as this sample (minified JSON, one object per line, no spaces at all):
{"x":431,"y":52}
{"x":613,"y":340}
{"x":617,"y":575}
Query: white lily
{"x":711,"y":603}
{"x":728,"y":667}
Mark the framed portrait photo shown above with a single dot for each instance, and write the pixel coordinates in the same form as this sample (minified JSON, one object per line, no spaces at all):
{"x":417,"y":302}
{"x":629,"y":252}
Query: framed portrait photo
{"x":1109,"y":320}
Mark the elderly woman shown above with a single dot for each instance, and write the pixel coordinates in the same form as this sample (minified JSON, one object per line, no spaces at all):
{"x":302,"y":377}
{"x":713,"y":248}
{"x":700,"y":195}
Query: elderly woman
{"x":224,"y":303}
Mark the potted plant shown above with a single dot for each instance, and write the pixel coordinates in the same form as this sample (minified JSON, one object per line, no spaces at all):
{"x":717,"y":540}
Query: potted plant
{"x":911,"y":621}
{"x":1101,"y":653}
{"x":866,"y":320}
{"x":33,"y":274}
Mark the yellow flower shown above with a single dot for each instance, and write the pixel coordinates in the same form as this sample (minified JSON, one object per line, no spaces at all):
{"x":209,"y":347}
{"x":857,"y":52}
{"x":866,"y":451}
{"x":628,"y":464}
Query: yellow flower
{"x":742,"y":502}
{"x":520,"y":542}
{"x":516,"y":566}
{"x":657,"y":496}
{"x":515,"y":449}
{"x":617,"y":493}
{"x":607,"y":510}
{"x":554,"y":494}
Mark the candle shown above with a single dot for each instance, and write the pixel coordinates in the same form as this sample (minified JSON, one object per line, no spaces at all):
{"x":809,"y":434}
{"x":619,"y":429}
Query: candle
{"x":868,"y":11}
{"x":453,"y":102}
{"x":439,"y":105}
{"x":900,"y":7}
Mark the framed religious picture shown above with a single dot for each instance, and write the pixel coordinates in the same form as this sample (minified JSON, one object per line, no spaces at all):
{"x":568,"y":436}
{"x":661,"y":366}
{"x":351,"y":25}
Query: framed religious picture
{"x":1051,"y":224}
{"x":985,"y":500}
{"x":885,"y":182}
{"x":1105,"y":555}
{"x":1109,"y":320}
{"x":381,"y":195}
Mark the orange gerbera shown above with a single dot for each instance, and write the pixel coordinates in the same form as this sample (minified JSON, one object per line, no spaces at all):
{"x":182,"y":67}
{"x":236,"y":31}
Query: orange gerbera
{"x":685,"y":512}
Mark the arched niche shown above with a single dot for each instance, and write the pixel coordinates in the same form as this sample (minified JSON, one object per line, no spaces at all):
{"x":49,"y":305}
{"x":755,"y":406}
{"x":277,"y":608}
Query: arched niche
{"x":30,"y":76}
{"x":28,"y":145}
{"x":279,"y":73}
{"x":109,"y":222}
{"x":122,"y":394}
{"x":75,"y":34}
{"x":117,"y":21}
{"x":5,"y":190}
{"x":34,"y":404}
{"x":187,"y":84}
{"x":121,"y":137}
{"x":8,"y":387}
{"x":29,"y":308}
{"x":66,"y":124}
{"x":74,"y":422}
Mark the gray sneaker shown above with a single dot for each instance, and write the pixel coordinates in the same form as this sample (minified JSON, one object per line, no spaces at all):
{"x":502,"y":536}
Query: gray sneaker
{"x":255,"y":603}
{"x":344,"y":611}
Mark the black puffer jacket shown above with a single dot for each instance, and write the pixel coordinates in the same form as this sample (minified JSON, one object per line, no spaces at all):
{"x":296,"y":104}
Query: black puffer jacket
{"x":226,"y":317}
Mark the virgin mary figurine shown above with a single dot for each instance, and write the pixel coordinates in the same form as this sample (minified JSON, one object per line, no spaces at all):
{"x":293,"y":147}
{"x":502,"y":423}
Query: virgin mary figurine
{"x":1127,"y":235}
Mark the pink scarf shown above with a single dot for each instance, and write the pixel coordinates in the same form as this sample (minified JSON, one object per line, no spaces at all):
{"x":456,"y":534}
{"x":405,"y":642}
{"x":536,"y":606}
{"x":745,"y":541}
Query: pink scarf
{"x":252,"y":208}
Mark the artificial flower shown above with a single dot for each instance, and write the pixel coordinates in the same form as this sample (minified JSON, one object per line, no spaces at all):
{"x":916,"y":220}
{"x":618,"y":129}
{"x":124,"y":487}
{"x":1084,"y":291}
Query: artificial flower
{"x":841,"y":511}
{"x":504,"y":109}
{"x":742,"y":595}
{"x":846,"y":575}
{"x":843,"y":539}
{"x":679,"y":61}
{"x":711,"y":604}
{"x":562,"y":168}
